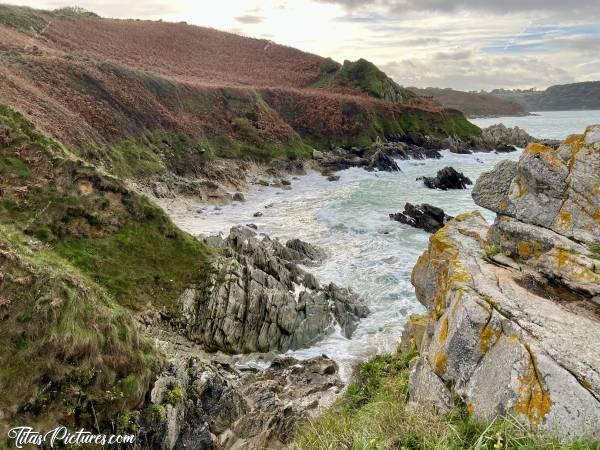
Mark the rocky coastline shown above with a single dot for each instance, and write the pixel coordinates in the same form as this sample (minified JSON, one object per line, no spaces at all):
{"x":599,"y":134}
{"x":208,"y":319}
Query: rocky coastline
{"x":512,"y":307}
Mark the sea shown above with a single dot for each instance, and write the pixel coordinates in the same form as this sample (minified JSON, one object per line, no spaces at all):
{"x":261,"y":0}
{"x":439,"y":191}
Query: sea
{"x":366,"y":250}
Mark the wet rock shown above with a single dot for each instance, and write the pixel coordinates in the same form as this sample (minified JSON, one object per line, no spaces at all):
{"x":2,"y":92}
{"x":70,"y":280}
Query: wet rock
{"x":424,"y":216}
{"x":383,"y":163}
{"x":261,"y":300}
{"x":258,"y":214}
{"x":447,"y":178}
{"x":238,"y":197}
{"x":333,"y":178}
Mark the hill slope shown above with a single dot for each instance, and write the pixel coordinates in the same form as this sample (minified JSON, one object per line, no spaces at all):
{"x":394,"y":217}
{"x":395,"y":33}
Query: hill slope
{"x":110,"y":87}
{"x":563,"y":97}
{"x":473,"y":104}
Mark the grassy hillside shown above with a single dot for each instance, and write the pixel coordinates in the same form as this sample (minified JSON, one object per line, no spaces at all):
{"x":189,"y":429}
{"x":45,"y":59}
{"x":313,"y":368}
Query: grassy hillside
{"x":80,"y":255}
{"x":473,"y":104}
{"x":145,"y":97}
{"x":374,"y":414}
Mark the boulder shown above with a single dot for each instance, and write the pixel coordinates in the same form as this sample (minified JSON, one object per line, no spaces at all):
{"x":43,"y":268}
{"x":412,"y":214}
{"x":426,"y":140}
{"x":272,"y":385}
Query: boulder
{"x":424,"y":216}
{"x":554,"y":189}
{"x":447,"y":178}
{"x":384,"y":163}
{"x":505,"y":339}
{"x":238,"y":197}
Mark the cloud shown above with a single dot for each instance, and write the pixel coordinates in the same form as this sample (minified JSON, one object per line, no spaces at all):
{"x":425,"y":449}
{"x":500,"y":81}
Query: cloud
{"x":475,"y":72}
{"x":494,"y":6}
{"x":249,"y":19}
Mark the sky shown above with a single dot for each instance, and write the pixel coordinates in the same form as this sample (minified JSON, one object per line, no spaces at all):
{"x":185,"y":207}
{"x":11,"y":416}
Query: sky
{"x":462,"y":44}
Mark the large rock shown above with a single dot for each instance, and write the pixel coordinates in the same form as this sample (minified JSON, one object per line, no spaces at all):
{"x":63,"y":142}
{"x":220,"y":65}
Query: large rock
{"x":447,"y":178}
{"x":424,"y":216}
{"x":261,"y":300}
{"x":503,"y":338}
{"x":199,"y":404}
{"x":555,"y":189}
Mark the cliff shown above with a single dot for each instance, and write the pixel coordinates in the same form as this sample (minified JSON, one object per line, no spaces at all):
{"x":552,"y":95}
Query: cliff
{"x":513,"y":308}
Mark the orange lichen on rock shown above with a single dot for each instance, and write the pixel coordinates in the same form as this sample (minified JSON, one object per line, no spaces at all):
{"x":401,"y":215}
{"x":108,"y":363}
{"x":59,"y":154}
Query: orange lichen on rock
{"x":488,"y":337}
{"x":441,"y":363}
{"x":444,"y":330}
{"x":534,"y":401}
{"x":524,"y":249}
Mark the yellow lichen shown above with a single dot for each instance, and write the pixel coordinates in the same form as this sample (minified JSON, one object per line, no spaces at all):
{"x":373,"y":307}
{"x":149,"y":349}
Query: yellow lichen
{"x":524,"y":249}
{"x":565,"y":219}
{"x":444,"y":330}
{"x":471,"y":408}
{"x":534,"y":401}
{"x":547,"y":154}
{"x":441,"y":363}
{"x":488,"y":337}
{"x":503,"y":204}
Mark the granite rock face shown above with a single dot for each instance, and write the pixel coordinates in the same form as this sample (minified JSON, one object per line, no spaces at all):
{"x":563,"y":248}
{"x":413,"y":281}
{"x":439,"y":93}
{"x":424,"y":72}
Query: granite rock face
{"x":555,"y":189}
{"x":261,"y":300}
{"x":513,"y":317}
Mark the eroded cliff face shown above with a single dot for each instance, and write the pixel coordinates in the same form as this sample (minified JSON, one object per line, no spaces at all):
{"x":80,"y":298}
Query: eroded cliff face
{"x":514,"y":321}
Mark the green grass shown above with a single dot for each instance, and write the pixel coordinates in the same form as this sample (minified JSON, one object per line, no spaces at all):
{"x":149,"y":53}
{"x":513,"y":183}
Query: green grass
{"x":447,"y":123}
{"x":22,"y":18}
{"x":373,"y":414}
{"x":65,"y":332}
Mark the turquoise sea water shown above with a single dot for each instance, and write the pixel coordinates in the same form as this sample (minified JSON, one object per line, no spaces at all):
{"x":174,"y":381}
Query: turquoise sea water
{"x":367,"y":251}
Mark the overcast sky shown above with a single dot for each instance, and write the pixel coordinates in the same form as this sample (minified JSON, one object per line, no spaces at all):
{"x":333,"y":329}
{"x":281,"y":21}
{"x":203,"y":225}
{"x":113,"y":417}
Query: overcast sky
{"x":463,"y":44}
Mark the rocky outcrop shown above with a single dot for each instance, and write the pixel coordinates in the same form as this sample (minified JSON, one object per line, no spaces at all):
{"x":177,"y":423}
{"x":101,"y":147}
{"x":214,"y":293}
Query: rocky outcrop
{"x":447,"y":178}
{"x":261,"y":300}
{"x":554,"y":189}
{"x":497,"y":135}
{"x":424,"y":216}
{"x":511,"y":306}
{"x":211,"y":405}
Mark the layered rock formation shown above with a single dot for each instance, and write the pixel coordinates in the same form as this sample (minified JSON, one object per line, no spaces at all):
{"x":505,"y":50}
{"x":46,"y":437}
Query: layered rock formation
{"x":261,"y":300}
{"x":513,"y":321}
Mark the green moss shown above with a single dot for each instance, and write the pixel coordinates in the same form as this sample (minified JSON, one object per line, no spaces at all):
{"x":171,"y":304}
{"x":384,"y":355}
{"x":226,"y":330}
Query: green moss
{"x":594,"y":247}
{"x":174,"y":395}
{"x":492,"y":250}
{"x":373,"y":414}
{"x":445,"y":123}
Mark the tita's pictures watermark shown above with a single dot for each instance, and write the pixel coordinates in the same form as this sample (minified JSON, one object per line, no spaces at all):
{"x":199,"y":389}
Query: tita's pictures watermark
{"x":60,"y":436}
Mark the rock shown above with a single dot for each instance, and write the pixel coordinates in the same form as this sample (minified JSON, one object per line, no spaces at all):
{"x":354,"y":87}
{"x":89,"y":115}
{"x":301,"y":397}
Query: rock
{"x":316,"y":154}
{"x":383,"y":162}
{"x":505,"y":149}
{"x":507,"y":341}
{"x":413,"y":332}
{"x":333,"y":178}
{"x":239,"y":197}
{"x":554,"y":189}
{"x":258,"y":214}
{"x":262,"y":183}
{"x":195,"y":401}
{"x":261,"y":300}
{"x":286,"y":182}
{"x":302,"y":252}
{"x":499,"y":135}
{"x":252,"y":225}
{"x":424,"y":216}
{"x":447,"y":178}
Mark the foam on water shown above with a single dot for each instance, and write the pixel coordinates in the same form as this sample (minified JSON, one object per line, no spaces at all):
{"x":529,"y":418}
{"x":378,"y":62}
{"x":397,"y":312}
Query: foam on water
{"x":367,"y":251}
{"x":350,"y":220}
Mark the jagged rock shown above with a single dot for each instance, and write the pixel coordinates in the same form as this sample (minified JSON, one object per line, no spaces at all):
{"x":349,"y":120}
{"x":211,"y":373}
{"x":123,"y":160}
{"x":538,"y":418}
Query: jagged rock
{"x":333,"y":178}
{"x":555,"y":189}
{"x":384,"y":163}
{"x":316,"y":154}
{"x":506,"y":341}
{"x":447,"y":178}
{"x":262,"y":300}
{"x":202,"y":405}
{"x":238,"y":197}
{"x":424,"y":216}
{"x":500,"y":135}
